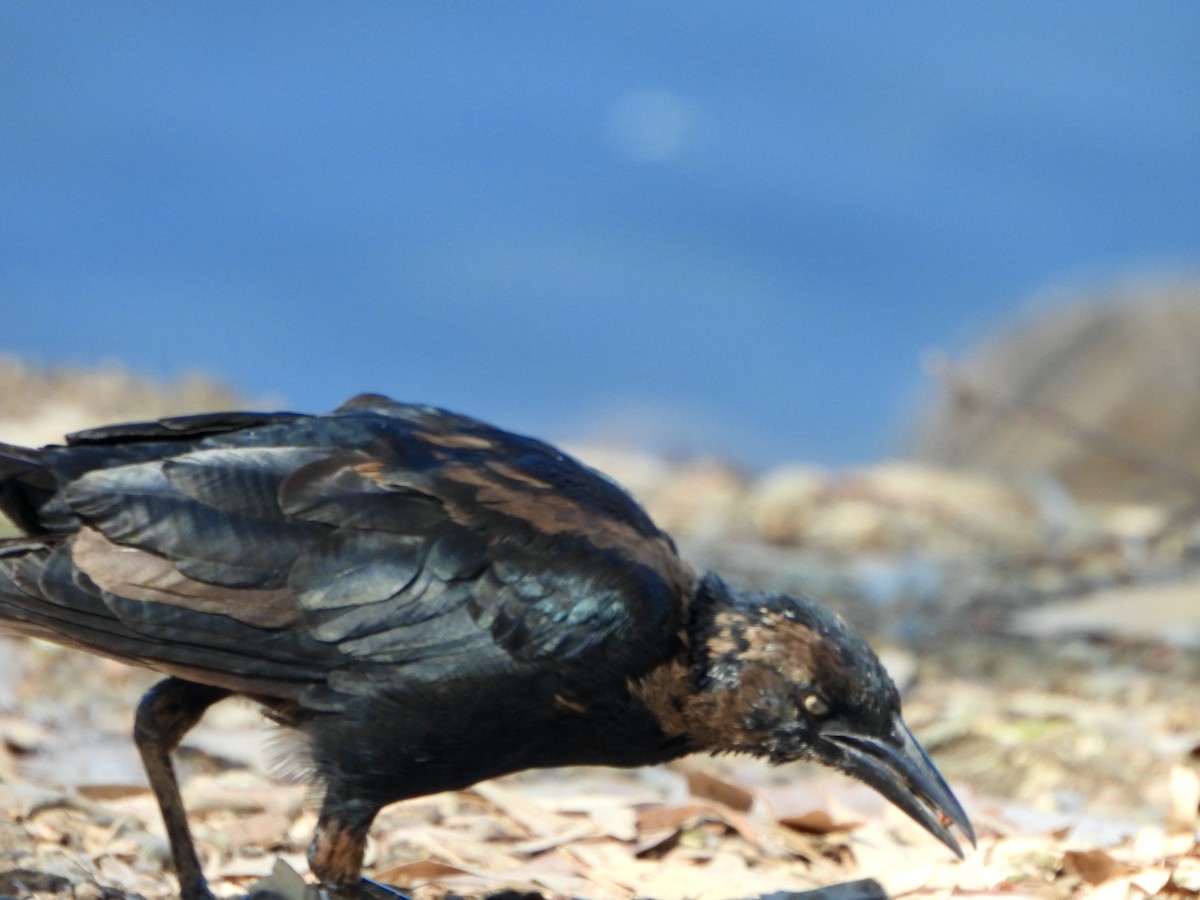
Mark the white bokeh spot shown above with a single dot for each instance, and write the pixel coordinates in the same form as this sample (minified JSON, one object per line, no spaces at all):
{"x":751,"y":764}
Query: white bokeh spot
{"x":651,"y":125}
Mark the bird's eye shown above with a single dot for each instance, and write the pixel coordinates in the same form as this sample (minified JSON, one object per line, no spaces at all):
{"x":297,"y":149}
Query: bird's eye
{"x":815,"y":705}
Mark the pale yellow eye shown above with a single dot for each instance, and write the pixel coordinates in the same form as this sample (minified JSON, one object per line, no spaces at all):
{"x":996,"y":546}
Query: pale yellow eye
{"x":816,"y":705}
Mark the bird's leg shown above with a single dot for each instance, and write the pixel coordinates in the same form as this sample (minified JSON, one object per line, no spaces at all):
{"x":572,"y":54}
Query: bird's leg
{"x":336,"y":855}
{"x":164,"y":716}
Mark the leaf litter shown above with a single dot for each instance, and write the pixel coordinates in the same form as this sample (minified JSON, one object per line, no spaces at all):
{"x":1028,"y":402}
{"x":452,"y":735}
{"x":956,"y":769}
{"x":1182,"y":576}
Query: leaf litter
{"x":1077,"y":788}
{"x":1071,"y":735}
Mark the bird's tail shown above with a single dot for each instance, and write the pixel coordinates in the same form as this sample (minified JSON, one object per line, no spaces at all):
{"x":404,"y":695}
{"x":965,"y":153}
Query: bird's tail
{"x":39,"y":594}
{"x":25,"y":545}
{"x":17,"y":609}
{"x":25,"y":484}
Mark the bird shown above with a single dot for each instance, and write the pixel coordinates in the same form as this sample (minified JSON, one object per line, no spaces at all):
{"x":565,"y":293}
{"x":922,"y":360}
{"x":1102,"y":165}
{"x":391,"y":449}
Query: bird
{"x":427,"y":601}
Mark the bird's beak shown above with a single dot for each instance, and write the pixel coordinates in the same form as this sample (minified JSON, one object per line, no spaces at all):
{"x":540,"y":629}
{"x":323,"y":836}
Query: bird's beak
{"x":900,"y":769}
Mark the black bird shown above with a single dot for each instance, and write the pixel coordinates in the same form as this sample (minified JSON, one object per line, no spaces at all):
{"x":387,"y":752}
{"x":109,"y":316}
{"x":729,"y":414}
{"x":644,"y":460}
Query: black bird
{"x":430,"y":601}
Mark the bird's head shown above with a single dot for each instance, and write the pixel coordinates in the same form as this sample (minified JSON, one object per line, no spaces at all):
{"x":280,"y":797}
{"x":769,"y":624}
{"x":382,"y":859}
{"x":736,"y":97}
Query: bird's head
{"x":786,"y":679}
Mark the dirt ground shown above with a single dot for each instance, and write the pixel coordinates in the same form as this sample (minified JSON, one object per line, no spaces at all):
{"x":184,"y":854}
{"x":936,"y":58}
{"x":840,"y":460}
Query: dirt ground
{"x":1077,"y":760}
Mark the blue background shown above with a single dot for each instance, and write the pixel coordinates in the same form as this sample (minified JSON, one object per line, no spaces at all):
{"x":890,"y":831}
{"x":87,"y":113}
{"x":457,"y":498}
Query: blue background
{"x":723,"y":227}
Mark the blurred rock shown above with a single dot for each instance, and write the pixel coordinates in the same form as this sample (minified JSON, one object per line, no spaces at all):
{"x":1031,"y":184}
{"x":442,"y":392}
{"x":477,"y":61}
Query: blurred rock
{"x":895,"y":507}
{"x":700,"y":497}
{"x":1167,"y":614}
{"x":1123,"y":365}
{"x":782,"y":505}
{"x":38,"y":405}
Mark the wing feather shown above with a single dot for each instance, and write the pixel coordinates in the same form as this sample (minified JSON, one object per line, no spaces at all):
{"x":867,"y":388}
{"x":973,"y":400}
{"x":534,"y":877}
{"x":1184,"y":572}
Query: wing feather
{"x":138,"y":505}
{"x":386,"y":543}
{"x":240,"y":480}
{"x":351,"y":568}
{"x":142,"y":575}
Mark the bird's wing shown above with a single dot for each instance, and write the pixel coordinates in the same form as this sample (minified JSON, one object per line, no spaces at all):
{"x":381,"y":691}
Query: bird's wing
{"x":385,"y":542}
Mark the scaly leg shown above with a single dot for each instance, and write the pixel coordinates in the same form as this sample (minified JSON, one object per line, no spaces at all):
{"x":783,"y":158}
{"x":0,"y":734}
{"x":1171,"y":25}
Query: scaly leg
{"x":164,"y":716}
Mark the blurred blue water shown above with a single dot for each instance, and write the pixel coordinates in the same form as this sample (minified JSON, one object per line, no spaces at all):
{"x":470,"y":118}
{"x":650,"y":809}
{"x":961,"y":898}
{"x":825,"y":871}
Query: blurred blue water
{"x":708,"y":226}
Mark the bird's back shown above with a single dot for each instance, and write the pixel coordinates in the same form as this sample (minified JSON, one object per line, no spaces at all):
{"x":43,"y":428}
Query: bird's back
{"x":316,"y":558}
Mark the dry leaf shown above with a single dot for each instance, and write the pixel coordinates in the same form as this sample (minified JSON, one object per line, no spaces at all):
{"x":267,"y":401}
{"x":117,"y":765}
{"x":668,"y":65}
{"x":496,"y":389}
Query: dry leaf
{"x":1152,"y":881}
{"x":1187,"y":873}
{"x":657,"y":842}
{"x":20,"y":736}
{"x":421,"y":871}
{"x":540,"y":845}
{"x":659,"y":818}
{"x":537,"y":820}
{"x":905,"y":879}
{"x":283,"y":881}
{"x":1184,"y":814}
{"x":104,"y":793}
{"x":707,"y":786}
{"x":617,"y":822}
{"x":264,"y":830}
{"x":1113,"y":889}
{"x":809,"y":847}
{"x":114,"y":869}
{"x":244,"y":867}
{"x":817,"y":822}
{"x":1093,"y":866}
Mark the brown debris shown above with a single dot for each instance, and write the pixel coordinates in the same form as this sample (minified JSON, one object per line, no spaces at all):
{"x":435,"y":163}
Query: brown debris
{"x":1093,"y":866}
{"x":708,"y":786}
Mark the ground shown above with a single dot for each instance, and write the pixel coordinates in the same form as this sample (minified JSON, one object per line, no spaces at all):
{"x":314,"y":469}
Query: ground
{"x":1048,"y":651}
{"x":1076,"y":758}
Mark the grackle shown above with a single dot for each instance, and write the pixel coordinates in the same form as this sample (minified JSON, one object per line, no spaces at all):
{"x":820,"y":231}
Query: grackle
{"x":429,"y":601}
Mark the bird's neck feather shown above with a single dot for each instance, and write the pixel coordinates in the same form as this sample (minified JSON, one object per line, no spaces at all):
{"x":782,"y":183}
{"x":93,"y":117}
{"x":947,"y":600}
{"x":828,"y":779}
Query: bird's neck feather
{"x":680,"y":692}
{"x":668,"y":692}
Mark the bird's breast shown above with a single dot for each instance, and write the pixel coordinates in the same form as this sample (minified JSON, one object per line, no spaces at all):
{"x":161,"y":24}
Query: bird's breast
{"x":396,"y":744}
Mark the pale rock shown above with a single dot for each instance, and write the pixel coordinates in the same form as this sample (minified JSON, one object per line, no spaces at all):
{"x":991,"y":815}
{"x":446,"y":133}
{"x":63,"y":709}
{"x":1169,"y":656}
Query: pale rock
{"x":781,"y":505}
{"x":702,"y":499}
